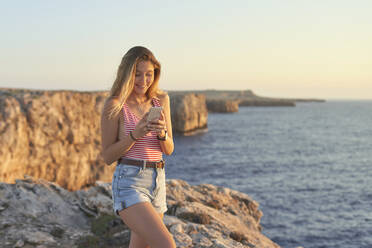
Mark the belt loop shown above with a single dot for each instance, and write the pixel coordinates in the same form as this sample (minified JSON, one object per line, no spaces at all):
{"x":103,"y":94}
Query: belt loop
{"x":144,"y":164}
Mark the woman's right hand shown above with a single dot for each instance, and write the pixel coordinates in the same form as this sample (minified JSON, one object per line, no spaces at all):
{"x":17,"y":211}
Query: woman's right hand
{"x":141,"y":128}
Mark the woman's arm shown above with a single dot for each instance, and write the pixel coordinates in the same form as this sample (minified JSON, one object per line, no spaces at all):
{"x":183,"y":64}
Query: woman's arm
{"x":112,"y":147}
{"x":167,"y":146}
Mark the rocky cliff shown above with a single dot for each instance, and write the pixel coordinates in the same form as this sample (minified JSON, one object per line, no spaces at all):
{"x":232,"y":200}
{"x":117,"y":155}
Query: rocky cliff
{"x":189,"y":113}
{"x":222,"y":105}
{"x":38,"y":213}
{"x":220,"y":100}
{"x":53,"y":135}
{"x":56,"y":135}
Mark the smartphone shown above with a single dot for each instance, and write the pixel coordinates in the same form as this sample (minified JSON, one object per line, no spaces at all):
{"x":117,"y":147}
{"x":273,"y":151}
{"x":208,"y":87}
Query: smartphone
{"x":155,"y":113}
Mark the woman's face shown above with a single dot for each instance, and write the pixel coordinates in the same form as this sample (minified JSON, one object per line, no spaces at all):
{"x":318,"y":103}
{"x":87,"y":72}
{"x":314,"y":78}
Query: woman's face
{"x":144,"y":76}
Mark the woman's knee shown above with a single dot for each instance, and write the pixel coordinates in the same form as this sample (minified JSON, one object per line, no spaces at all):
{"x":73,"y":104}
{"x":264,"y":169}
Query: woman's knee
{"x":137,"y":241}
{"x":146,"y":222}
{"x":167,"y":241}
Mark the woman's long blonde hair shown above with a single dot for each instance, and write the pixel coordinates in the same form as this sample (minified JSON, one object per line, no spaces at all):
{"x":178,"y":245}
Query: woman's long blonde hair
{"x":124,"y":82}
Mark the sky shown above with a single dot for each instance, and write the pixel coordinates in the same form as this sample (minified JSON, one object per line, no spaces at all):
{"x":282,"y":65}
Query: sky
{"x":278,"y":48}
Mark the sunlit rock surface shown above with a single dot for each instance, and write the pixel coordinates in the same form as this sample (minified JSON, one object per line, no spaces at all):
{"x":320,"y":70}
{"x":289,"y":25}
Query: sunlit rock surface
{"x":35,"y":212}
{"x":189,"y":113}
{"x":222,"y":105}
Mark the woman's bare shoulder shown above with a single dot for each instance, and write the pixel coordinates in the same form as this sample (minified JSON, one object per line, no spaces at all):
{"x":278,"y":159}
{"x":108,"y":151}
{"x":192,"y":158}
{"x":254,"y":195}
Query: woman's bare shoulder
{"x":110,"y":104}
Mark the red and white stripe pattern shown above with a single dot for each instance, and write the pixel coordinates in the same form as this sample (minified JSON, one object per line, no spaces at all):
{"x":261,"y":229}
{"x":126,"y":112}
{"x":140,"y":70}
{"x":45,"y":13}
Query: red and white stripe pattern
{"x":147,"y":147}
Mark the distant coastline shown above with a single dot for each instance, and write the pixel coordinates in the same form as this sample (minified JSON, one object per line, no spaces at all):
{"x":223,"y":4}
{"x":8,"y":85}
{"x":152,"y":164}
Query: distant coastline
{"x":246,"y":98}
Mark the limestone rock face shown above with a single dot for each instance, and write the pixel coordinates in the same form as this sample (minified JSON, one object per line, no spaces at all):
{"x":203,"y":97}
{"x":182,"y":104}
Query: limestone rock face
{"x":189,"y":113}
{"x":40,"y":213}
{"x":222,"y":106}
{"x":56,"y":135}
{"x":53,"y":135}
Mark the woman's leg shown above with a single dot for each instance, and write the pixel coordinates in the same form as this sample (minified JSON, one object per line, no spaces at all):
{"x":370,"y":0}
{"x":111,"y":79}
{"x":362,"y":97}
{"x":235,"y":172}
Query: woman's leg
{"x":137,"y":241}
{"x":147,"y":226}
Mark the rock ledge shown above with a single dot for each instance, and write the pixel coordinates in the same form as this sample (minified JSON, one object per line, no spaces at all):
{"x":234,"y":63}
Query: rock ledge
{"x":38,"y":213}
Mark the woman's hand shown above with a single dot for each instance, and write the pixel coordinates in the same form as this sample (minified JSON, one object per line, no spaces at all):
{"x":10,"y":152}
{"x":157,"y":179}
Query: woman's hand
{"x":159,"y":126}
{"x":141,"y":128}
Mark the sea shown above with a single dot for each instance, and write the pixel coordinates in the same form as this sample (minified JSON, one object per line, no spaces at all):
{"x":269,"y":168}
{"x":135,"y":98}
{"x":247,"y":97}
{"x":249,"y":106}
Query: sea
{"x":309,"y":167}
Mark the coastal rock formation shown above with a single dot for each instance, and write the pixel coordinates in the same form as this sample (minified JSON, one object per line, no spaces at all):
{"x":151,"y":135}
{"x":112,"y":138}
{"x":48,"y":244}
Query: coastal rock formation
{"x":222,"y":106}
{"x":221,"y":215}
{"x":56,"y":135}
{"x":189,"y":113}
{"x":53,"y":135}
{"x":248,"y":98}
{"x":226,"y":101}
{"x":37,"y":212}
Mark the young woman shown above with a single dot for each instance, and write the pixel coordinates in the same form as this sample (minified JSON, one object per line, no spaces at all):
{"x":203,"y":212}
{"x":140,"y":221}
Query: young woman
{"x":138,"y":184}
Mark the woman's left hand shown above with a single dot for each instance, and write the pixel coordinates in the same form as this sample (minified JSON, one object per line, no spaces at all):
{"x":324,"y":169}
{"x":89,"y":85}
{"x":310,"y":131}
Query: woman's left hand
{"x":158,"y":125}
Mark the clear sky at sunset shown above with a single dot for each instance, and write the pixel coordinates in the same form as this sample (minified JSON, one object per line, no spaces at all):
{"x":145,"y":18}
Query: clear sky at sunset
{"x":287,"y":48}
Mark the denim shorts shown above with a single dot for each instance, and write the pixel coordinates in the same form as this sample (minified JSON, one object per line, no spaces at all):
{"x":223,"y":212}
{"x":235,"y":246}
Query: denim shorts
{"x":132,"y":184}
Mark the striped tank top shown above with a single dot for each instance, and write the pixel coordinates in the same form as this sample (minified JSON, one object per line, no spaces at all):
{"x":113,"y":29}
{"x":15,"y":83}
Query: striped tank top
{"x":146,"y":147}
